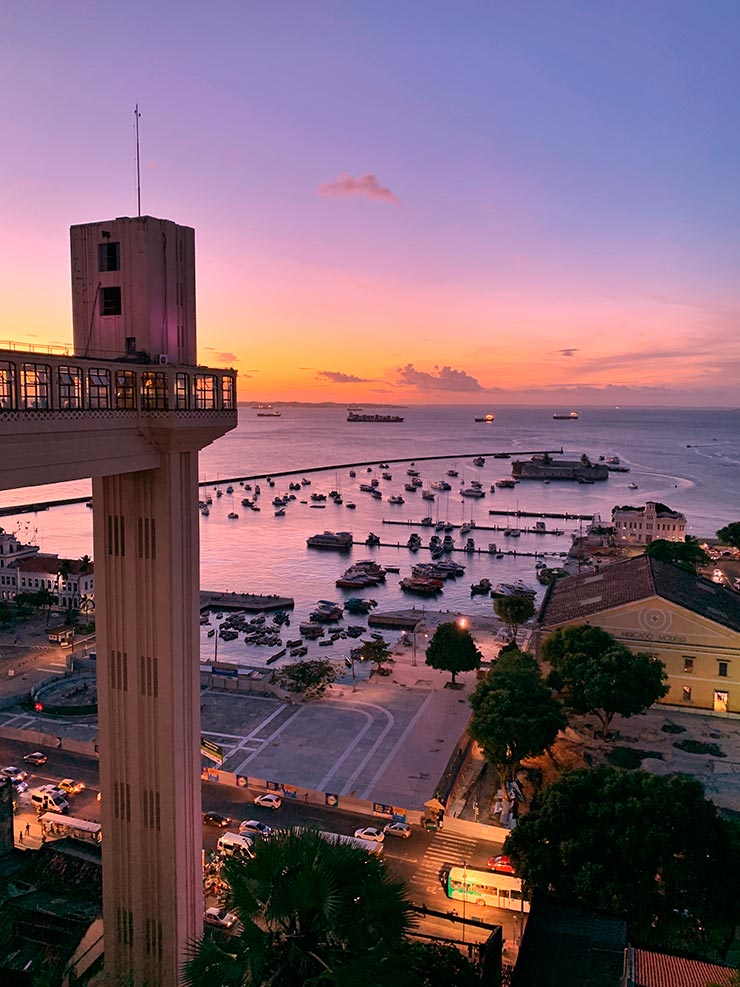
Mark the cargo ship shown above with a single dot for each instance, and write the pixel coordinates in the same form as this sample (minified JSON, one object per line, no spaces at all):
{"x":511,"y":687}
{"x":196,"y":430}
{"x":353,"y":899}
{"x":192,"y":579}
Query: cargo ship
{"x":354,"y":417}
{"x":570,"y":417}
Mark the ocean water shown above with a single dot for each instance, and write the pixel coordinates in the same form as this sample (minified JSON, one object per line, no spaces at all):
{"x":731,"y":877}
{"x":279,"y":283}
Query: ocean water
{"x":688,"y":459}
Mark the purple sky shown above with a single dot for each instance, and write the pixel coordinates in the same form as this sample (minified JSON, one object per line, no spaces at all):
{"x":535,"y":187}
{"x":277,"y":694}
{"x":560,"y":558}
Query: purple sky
{"x":419,"y":201}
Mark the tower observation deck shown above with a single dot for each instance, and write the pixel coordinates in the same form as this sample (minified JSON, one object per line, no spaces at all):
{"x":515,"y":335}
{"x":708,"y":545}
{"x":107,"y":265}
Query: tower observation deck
{"x":129,"y":406}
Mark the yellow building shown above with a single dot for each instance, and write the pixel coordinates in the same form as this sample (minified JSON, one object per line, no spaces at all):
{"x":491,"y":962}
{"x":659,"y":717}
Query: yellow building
{"x":691,"y":624}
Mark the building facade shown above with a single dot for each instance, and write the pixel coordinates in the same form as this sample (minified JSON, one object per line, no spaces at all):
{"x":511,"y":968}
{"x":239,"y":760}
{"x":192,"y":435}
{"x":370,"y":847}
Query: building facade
{"x":641,"y":525}
{"x":691,"y":624}
{"x":128,"y":406}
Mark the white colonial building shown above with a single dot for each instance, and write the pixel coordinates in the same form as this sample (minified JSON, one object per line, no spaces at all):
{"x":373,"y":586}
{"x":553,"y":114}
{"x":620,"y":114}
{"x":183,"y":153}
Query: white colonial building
{"x":23,"y":569}
{"x":641,"y":525}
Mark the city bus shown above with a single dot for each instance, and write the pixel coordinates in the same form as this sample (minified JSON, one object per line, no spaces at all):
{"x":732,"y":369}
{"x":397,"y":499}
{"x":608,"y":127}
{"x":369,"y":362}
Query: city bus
{"x":369,"y":846}
{"x":55,"y":826}
{"x":485,"y":888}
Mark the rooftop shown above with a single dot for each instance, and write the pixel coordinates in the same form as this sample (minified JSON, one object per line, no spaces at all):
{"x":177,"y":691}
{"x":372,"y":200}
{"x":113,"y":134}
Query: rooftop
{"x":581,"y":596}
{"x":53,"y":564}
{"x":648,"y":969}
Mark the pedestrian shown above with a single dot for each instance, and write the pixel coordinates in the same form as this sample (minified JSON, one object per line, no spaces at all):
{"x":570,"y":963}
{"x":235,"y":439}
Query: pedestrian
{"x":20,"y":835}
{"x":28,"y":828}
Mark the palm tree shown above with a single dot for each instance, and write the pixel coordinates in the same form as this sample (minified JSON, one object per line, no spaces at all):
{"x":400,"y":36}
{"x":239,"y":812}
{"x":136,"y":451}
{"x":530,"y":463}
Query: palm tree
{"x":310,"y":911}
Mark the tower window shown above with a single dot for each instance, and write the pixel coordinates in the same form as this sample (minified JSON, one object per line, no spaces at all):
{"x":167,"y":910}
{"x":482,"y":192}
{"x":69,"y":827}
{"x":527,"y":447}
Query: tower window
{"x":722,"y":669}
{"x":109,"y":256}
{"x":110,"y":301}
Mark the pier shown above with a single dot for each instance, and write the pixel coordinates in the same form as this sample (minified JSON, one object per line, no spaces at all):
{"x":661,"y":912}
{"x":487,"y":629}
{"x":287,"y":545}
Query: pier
{"x":543,"y":514}
{"x":513,"y":553}
{"x":483,"y":527}
{"x":253,"y":602}
{"x":33,"y":508}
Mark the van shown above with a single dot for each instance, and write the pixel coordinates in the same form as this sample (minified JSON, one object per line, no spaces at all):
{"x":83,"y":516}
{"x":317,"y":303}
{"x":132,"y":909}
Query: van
{"x":49,"y":798}
{"x":232,"y":845}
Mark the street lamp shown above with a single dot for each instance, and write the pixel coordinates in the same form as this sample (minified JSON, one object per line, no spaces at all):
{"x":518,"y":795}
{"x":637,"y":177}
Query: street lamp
{"x":465,"y":894}
{"x":462,"y":623}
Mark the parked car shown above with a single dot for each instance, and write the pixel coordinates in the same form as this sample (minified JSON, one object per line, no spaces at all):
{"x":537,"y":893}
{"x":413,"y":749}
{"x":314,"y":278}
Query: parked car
{"x":501,"y":865}
{"x":254,"y":828}
{"x":370,"y":833}
{"x":15,"y":774}
{"x":36,"y":758}
{"x":269,"y":801}
{"x":401,"y":829}
{"x":70,"y":786}
{"x":216,"y":819}
{"x":220,"y":917}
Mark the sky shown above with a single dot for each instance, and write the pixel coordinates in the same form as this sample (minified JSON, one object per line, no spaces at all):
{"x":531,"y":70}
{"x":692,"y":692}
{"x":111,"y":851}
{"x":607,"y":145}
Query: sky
{"x":398,"y":201}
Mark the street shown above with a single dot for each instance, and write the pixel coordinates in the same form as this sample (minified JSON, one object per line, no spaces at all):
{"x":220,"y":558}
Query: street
{"x":417,"y":861}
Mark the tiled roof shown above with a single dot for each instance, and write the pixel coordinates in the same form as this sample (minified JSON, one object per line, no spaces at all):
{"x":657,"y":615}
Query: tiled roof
{"x":589,"y":593}
{"x":51,"y":564}
{"x":659,"y":970}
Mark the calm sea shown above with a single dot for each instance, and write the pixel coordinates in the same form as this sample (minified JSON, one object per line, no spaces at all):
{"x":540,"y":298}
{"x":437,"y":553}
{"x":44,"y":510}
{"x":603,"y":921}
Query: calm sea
{"x":688,"y":459}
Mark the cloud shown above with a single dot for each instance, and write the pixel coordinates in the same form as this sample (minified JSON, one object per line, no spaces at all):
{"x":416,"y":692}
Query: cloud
{"x":568,"y":351}
{"x":444,"y":379}
{"x":367,"y":186}
{"x":337,"y":377}
{"x":228,"y":357}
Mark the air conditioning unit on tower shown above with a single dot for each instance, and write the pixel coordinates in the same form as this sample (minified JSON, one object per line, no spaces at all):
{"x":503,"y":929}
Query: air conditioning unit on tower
{"x":163,"y":359}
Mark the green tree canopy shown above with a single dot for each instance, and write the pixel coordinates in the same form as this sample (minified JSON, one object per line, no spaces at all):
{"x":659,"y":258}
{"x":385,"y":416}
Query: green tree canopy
{"x":628,"y":842}
{"x":730,"y":534}
{"x":595,"y":674}
{"x":514,"y":713}
{"x":688,"y":554}
{"x":452,"y":649}
{"x":311,"y":912}
{"x":514,"y":611}
{"x":378,"y":653}
{"x":306,"y":678}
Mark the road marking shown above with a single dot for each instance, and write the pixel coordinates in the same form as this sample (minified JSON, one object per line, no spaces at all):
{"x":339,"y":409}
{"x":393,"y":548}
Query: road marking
{"x":54,"y":671}
{"x":323,"y":784}
{"x":394,"y":750}
{"x":239,"y":770}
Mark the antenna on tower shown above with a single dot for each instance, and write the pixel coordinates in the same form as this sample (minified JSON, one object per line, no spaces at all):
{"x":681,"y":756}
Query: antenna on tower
{"x":138,"y":162}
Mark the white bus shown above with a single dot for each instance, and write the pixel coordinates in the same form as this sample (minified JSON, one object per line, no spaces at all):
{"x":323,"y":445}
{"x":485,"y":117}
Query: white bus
{"x":482,"y":887}
{"x":56,"y":827}
{"x":369,"y":846}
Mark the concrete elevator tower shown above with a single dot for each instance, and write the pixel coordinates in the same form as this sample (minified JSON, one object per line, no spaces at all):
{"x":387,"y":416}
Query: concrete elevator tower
{"x":131,"y":408}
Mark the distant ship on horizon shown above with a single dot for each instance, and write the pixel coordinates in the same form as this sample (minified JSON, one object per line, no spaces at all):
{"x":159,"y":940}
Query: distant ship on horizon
{"x":352,"y":417}
{"x":570,"y":417}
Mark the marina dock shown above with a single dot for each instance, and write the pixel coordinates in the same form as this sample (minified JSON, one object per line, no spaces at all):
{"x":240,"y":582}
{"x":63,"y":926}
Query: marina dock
{"x":472,"y":551}
{"x":481,"y":527}
{"x":253,"y":602}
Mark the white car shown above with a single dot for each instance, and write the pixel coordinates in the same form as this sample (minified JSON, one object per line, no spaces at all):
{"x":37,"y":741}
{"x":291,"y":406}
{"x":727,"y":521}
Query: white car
{"x":370,"y":833}
{"x":252,"y":827}
{"x":220,"y":918}
{"x":269,"y":801}
{"x":15,"y":774}
{"x":401,"y":829}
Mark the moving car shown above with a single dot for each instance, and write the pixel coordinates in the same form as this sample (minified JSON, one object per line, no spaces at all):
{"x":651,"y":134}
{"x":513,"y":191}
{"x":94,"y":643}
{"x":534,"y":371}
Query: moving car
{"x":501,"y":865}
{"x":269,"y":801}
{"x":254,"y":828}
{"x":15,"y":774}
{"x":220,"y":917}
{"x":70,"y":786}
{"x":370,"y":833}
{"x":36,"y":758}
{"x":401,"y":829}
{"x":216,"y":819}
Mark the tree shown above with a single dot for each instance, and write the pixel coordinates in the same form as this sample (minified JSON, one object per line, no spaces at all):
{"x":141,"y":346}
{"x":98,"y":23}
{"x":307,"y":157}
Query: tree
{"x":687,"y":555}
{"x":378,"y":653}
{"x":310,"y":912}
{"x":433,"y":964}
{"x":514,"y":611}
{"x":310,"y":679}
{"x":595,"y":674}
{"x":730,"y":534}
{"x":452,"y":649}
{"x":514,"y":713}
{"x":632,"y":843}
